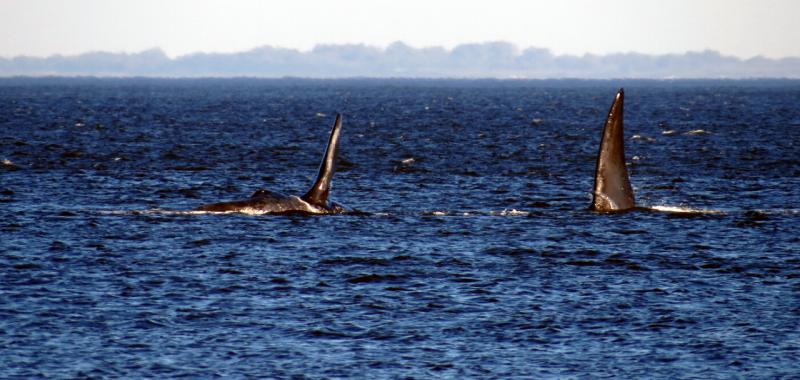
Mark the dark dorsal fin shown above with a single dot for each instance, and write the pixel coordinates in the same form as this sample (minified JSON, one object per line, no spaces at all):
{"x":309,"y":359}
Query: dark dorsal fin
{"x":612,"y":187}
{"x":318,"y":194}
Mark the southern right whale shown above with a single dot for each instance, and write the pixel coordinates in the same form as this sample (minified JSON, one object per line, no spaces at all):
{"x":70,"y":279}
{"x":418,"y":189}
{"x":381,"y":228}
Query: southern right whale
{"x":612,"y":186}
{"x":315,"y":201}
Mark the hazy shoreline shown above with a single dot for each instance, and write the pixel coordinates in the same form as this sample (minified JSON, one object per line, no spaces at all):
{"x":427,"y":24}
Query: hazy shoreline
{"x":467,"y":61}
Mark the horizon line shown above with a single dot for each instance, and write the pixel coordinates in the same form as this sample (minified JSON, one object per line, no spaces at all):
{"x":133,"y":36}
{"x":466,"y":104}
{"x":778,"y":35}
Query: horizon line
{"x":377,"y":78}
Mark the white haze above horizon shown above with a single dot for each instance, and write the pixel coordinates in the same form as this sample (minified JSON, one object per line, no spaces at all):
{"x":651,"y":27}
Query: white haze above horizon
{"x":741,"y":28}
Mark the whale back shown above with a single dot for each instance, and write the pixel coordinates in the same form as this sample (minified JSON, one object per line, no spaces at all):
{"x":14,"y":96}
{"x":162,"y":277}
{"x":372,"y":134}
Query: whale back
{"x":319,"y":192}
{"x":612,"y":186}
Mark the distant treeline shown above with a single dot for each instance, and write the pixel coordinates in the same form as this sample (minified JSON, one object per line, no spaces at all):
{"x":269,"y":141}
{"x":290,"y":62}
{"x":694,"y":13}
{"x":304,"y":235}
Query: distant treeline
{"x":398,"y":60}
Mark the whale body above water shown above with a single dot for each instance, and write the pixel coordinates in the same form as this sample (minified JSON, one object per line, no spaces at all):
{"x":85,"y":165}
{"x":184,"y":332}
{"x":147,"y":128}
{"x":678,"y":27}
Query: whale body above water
{"x":315,"y":201}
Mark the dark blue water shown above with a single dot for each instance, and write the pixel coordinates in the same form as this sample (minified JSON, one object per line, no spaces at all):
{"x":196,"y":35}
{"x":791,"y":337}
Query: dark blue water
{"x":475,"y":257}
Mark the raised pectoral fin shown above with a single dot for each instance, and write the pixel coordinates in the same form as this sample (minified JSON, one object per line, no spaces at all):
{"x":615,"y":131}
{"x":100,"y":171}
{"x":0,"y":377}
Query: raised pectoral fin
{"x":612,"y":186}
{"x":319,"y":192}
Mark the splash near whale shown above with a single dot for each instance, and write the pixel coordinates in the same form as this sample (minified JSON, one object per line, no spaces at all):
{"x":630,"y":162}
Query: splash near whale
{"x":314,"y":201}
{"x":612,"y":186}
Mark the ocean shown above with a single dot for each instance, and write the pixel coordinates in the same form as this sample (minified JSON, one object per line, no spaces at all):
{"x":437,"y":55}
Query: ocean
{"x":470,"y":251}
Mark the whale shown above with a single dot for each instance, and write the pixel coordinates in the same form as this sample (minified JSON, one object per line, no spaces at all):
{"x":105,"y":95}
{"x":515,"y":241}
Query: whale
{"x":612,"y":185}
{"x":314,"y":201}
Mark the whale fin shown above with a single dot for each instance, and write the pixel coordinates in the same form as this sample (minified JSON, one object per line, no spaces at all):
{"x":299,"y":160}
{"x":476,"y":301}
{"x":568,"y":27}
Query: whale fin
{"x":318,"y":194}
{"x":612,"y":186}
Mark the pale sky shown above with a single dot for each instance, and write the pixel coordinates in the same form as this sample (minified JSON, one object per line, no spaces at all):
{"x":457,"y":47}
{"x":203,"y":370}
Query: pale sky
{"x":742,"y":28}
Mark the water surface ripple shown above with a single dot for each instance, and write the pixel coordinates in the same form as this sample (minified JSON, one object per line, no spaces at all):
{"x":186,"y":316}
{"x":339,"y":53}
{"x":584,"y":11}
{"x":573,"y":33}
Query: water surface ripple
{"x":475,"y":257}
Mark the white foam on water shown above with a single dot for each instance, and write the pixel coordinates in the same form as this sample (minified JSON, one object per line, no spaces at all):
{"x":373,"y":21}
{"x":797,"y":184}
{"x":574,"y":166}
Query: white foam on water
{"x":504,"y":212}
{"x":512,"y":212}
{"x":686,"y":210}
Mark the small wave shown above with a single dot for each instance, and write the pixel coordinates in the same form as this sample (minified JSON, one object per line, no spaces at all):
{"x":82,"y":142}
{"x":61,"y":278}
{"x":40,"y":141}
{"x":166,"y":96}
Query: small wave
{"x":775,"y":211}
{"x":8,"y":165}
{"x":157,"y":211}
{"x":643,"y":138}
{"x":785,"y":211}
